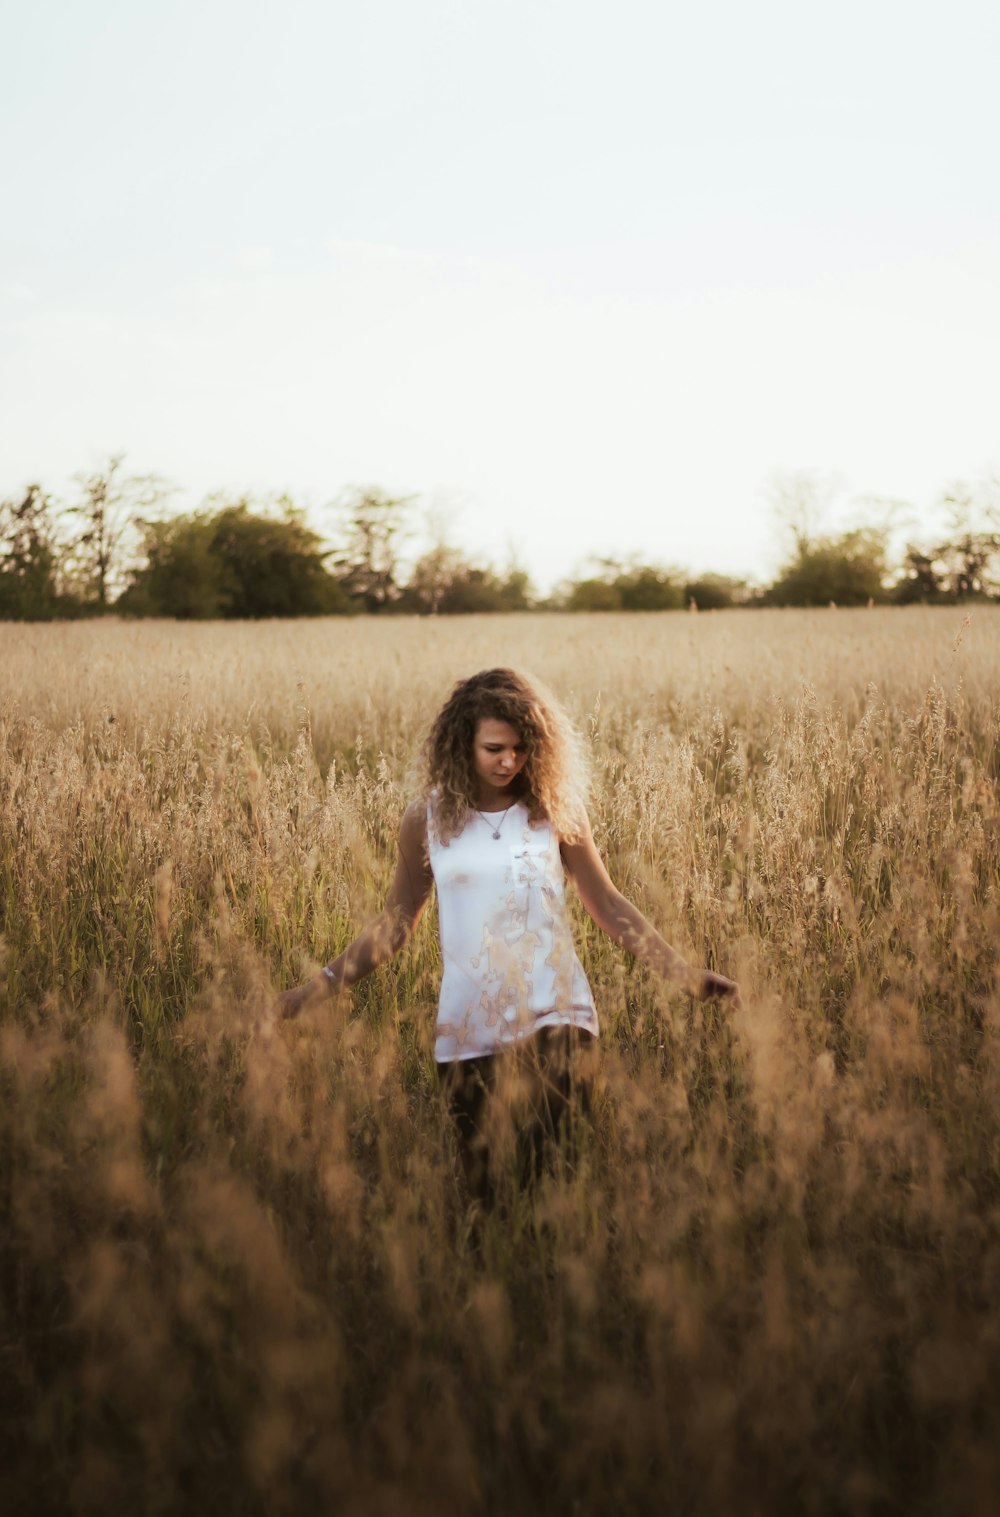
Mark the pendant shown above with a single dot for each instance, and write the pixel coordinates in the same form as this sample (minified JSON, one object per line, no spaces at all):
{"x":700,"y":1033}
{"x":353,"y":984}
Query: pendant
{"x":496,"y":837}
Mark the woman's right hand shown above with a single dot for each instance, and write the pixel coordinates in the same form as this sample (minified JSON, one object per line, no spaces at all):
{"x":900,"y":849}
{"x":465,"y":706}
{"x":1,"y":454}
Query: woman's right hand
{"x":313,"y":993}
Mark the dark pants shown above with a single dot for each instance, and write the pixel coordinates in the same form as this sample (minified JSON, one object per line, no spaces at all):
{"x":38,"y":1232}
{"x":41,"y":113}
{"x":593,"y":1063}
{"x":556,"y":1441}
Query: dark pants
{"x":516,"y":1110}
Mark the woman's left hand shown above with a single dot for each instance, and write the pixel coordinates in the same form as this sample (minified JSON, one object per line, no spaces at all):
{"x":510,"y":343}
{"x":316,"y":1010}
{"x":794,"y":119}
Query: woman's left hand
{"x":715,"y":987}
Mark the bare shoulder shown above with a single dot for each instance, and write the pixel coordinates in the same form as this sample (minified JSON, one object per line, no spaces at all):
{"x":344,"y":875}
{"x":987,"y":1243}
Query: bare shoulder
{"x":580,"y":846}
{"x":581,"y":838}
{"x":413,"y":829}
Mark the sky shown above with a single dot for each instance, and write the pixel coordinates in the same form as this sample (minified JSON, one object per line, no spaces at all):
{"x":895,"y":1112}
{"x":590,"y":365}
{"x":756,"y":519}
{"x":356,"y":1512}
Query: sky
{"x":584,"y":279}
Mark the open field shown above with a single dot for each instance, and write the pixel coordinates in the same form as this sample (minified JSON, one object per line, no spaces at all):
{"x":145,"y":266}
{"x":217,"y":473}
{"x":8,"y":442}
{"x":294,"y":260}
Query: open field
{"x":235,"y":1273}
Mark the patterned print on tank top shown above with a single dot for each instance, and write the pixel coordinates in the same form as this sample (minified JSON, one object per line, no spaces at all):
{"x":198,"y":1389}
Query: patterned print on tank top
{"x":510,"y":966}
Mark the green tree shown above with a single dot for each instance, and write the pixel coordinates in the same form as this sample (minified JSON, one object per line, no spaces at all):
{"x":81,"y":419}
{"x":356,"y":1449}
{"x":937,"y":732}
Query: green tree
{"x":646,"y":588}
{"x":431,"y":580}
{"x":183,"y":576}
{"x":922,"y":579}
{"x":593,"y":595}
{"x":445,"y":583}
{"x":28,"y":558}
{"x":111,"y":508}
{"x":516,"y":590}
{"x":273,"y":567}
{"x":966,"y":564}
{"x":714,"y":592}
{"x":234,"y":562}
{"x":473,"y":590}
{"x":366,"y":563}
{"x":625,"y":586}
{"x":971,"y":567}
{"x":845,"y":570}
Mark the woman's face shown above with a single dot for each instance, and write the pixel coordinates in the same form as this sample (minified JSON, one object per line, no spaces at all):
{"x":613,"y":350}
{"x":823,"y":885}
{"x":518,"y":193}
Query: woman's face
{"x":498,"y":756}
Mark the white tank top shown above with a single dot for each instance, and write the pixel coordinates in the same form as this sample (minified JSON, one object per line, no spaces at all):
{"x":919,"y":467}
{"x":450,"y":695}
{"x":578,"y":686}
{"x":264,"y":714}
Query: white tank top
{"x":510,"y":966}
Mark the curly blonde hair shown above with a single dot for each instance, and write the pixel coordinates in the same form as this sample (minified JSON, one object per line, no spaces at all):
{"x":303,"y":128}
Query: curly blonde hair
{"x":553,"y":782}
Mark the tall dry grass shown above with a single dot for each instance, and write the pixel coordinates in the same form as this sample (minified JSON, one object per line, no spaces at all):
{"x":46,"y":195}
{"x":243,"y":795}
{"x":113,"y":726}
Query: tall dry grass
{"x":235,"y":1268}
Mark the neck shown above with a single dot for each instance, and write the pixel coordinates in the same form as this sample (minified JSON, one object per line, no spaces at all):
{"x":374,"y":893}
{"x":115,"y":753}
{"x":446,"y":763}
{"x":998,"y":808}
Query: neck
{"x":495,"y":803}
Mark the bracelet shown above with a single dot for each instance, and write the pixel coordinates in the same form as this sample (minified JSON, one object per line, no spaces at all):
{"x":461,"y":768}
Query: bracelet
{"x":329,"y":974}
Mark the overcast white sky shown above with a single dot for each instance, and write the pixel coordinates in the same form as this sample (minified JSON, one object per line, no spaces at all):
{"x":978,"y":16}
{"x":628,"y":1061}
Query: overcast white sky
{"x":586,"y":273}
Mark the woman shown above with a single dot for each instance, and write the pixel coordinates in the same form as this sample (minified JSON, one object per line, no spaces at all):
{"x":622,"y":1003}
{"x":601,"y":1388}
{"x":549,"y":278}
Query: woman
{"x":502,"y":821}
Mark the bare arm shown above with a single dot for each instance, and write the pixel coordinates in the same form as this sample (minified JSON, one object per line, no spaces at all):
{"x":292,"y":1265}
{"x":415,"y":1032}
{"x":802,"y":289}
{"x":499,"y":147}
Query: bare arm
{"x":625,"y":924}
{"x":385,"y":936}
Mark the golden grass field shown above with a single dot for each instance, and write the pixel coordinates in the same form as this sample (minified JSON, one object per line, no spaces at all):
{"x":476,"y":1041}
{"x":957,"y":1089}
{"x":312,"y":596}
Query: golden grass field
{"x":236,"y":1274}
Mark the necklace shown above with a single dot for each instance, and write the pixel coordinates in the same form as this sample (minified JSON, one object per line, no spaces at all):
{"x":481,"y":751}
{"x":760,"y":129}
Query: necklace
{"x":496,"y":830}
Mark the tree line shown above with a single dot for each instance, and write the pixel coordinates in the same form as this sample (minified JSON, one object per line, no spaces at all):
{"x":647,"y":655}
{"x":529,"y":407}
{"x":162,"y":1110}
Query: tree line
{"x":115,"y":547}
